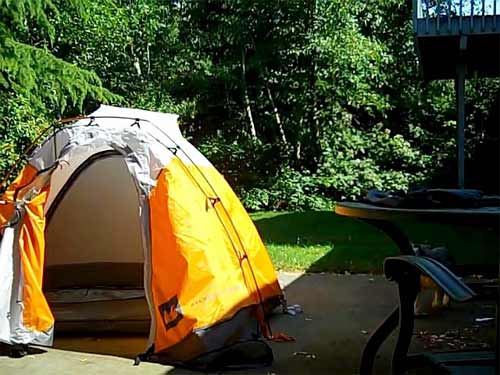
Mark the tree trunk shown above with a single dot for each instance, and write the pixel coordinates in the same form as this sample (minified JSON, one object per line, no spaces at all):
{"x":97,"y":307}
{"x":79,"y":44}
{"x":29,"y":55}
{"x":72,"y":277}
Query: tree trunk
{"x":253,"y":131}
{"x":276,"y":115}
{"x":313,"y":100}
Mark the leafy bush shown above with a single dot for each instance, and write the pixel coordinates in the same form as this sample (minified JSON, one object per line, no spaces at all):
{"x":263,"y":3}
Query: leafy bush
{"x":289,"y":190}
{"x":20,"y":124}
{"x":243,"y":162}
{"x":357,"y":159}
{"x":296,"y":104}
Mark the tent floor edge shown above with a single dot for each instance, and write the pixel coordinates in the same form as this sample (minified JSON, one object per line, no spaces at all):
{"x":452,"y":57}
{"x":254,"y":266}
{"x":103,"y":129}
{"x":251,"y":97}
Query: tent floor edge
{"x":144,"y":356}
{"x":18,"y":350}
{"x":234,"y":343}
{"x":231,"y":357}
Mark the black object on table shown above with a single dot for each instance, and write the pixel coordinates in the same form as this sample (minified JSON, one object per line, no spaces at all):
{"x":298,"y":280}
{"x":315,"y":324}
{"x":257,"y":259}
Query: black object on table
{"x":406,"y":269}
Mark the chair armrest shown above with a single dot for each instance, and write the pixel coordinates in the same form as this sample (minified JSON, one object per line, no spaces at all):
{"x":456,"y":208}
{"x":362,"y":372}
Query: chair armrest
{"x":396,"y":268}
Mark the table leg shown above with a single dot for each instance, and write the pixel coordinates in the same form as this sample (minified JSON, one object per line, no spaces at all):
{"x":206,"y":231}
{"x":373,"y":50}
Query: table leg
{"x":391,"y":322}
{"x":375,"y":341}
{"x":497,"y":349}
{"x":397,"y":235}
{"x":408,"y":290}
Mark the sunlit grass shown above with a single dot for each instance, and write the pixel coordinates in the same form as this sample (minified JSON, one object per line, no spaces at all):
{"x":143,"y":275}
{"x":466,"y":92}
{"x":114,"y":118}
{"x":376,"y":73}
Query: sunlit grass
{"x":322,"y":242}
{"x":296,"y":257}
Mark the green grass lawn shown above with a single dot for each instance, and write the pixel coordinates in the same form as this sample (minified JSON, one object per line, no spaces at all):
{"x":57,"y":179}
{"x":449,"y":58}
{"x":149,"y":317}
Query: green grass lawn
{"x":322,"y":242}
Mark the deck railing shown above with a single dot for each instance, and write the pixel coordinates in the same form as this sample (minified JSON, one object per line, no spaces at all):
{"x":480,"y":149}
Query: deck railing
{"x":456,"y":16}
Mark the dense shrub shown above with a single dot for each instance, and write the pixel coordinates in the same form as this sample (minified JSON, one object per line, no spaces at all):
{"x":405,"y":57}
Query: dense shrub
{"x":20,"y":124}
{"x":289,"y":190}
{"x":297,"y":103}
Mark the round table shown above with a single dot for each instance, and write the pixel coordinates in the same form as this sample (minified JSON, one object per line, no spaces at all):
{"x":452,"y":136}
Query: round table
{"x":386,"y":219}
{"x":475,"y":216}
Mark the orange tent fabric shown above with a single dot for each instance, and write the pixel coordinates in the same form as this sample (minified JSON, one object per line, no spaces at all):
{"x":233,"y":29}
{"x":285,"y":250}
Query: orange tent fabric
{"x":208,"y":285}
{"x":207,"y":274}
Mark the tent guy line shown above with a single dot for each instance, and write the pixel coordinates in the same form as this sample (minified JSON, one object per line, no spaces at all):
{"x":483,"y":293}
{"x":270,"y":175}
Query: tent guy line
{"x":181,"y":248}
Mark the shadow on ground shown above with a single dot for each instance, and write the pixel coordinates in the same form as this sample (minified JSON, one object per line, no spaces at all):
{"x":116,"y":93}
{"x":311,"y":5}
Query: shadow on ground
{"x":8,"y":351}
{"x":339,"y":313}
{"x":321,"y":241}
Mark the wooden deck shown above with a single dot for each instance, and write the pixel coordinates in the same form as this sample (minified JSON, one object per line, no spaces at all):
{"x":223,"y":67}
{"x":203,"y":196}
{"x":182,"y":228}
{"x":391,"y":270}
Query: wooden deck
{"x":452,"y":32}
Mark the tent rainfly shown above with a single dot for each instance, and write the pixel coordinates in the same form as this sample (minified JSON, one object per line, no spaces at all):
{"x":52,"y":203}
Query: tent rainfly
{"x":119,"y":200}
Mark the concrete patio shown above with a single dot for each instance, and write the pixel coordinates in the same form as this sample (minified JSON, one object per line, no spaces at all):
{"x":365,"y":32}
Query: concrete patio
{"x":339,"y":312}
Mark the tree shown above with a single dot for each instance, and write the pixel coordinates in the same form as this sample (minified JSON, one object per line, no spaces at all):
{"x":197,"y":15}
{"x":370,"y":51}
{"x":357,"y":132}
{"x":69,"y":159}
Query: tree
{"x":297,"y":101}
{"x":28,"y":68}
{"x":34,"y":83}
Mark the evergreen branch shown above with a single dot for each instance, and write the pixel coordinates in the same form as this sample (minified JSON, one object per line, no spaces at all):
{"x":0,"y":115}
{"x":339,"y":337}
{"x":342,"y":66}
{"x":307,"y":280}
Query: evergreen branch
{"x":39,"y":75}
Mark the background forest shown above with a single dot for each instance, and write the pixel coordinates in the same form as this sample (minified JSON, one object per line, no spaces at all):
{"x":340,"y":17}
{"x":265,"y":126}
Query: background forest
{"x":296,"y":102}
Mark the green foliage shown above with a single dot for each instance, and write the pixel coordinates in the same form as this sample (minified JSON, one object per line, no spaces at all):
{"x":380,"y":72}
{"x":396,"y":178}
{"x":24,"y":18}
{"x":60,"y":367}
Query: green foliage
{"x":135,"y":48}
{"x":20,"y":124}
{"x":353,"y":65}
{"x":242,"y":162}
{"x":36,"y":85}
{"x":357,"y":160}
{"x":27,"y":66}
{"x":289,"y":190}
{"x":296,"y":103}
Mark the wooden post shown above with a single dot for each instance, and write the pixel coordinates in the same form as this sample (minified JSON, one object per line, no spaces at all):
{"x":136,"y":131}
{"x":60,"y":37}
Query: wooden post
{"x":497,"y":349}
{"x":460,"y":93}
{"x":460,"y":88}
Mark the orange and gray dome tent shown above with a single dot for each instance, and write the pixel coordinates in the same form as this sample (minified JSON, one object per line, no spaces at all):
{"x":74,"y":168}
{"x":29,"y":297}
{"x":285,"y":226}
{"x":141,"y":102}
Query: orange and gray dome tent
{"x":121,"y":198}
